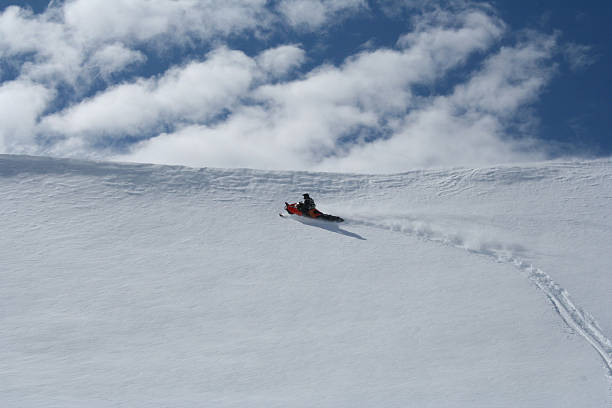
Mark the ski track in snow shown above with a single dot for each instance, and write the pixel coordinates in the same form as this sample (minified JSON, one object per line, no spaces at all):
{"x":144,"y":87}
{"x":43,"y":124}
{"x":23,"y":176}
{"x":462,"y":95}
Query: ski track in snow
{"x":575,"y":317}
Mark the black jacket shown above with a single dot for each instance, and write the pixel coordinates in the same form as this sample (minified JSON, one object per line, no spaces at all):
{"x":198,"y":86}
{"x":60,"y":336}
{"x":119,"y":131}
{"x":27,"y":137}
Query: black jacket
{"x":309,"y":204}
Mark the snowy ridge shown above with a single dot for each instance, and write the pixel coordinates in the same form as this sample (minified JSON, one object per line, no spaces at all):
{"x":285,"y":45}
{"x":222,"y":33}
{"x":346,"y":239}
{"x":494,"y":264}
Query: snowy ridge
{"x":576,"y":318}
{"x":142,"y":285}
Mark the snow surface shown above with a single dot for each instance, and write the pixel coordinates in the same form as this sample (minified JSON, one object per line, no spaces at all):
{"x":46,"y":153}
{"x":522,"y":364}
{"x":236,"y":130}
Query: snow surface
{"x":152,"y":286}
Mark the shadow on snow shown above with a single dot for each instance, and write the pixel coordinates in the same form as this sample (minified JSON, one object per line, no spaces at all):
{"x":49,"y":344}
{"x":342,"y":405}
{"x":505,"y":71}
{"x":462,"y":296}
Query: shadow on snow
{"x":329,"y":226}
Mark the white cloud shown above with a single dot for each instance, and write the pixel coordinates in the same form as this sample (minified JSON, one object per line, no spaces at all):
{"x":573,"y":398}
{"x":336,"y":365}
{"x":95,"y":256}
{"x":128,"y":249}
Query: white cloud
{"x":509,"y":79}
{"x":301,"y":123}
{"x":114,"y":58}
{"x":67,"y":41}
{"x":468,"y":127}
{"x":21,"y":32}
{"x":312,"y":14}
{"x":245,"y":141}
{"x":195,"y":92}
{"x":21,"y":103}
{"x":234,"y":110}
{"x":446,"y":38}
{"x":50,"y":56}
{"x":279,"y":61}
{"x":142,"y":20}
{"x":579,"y":56}
{"x":75,"y":41}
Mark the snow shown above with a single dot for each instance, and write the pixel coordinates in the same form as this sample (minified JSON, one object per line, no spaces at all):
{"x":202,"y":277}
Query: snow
{"x":151,"y":286}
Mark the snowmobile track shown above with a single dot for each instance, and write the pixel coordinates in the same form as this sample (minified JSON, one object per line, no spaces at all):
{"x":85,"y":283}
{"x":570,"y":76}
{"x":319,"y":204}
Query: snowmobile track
{"x":574,"y":317}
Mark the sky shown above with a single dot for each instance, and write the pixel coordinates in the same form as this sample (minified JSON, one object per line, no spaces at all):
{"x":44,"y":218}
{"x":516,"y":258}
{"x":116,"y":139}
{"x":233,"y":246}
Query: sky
{"x":319,"y":85}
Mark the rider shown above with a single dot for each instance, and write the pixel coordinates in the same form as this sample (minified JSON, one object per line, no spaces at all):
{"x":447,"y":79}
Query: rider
{"x":307,"y":205}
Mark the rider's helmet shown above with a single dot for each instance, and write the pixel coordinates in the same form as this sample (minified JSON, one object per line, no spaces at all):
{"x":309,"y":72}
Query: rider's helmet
{"x":306,"y":195}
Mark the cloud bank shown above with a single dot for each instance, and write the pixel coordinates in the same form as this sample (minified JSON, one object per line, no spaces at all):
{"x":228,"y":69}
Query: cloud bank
{"x":454,"y":89}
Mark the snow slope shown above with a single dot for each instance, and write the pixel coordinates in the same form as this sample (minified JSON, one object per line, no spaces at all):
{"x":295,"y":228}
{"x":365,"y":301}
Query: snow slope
{"x":152,"y":286}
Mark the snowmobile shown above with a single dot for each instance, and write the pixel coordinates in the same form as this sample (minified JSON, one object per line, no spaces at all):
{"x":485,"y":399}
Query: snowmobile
{"x":314,"y":213}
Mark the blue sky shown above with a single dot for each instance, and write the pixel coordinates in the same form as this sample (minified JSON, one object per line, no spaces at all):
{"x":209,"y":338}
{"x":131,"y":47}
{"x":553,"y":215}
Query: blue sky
{"x":332,"y":85}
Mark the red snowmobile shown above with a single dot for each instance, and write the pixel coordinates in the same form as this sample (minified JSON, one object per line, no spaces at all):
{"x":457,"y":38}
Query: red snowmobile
{"x":314,"y":213}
